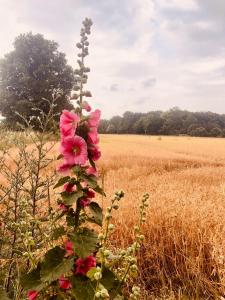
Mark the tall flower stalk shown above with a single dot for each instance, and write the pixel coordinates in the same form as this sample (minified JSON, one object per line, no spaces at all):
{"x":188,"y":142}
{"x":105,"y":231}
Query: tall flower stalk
{"x":78,"y":265}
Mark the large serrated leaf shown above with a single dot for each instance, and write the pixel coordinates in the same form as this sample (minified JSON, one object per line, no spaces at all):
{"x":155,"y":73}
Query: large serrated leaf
{"x":109,"y":280}
{"x":32,"y":280}
{"x":90,"y":179}
{"x":62,"y":181}
{"x":70,"y":198}
{"x":96,"y":213}
{"x":82,"y":288}
{"x":55,"y":264}
{"x":84,"y":242}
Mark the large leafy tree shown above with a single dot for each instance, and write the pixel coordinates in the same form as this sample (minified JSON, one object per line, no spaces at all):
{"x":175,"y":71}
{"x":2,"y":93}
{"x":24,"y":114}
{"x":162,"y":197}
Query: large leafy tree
{"x":32,"y":72}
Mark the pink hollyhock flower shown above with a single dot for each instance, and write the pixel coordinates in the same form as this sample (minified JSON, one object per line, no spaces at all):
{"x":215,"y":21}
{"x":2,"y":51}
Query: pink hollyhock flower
{"x":64,"y":283}
{"x":74,"y":150}
{"x":84,"y":265}
{"x":85,"y":202}
{"x":32,"y":295}
{"x":94,"y":152}
{"x":69,"y":248}
{"x":86,"y":106}
{"x":64,"y":168}
{"x":63,"y":207}
{"x":69,"y":187}
{"x":68,"y":123}
{"x":94,"y":118}
{"x":93,"y":135}
{"x":90,"y":193}
{"x":92,"y":171}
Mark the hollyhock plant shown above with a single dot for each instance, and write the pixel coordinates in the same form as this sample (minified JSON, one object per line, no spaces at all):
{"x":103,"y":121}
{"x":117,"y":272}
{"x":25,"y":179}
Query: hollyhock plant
{"x":80,"y":231}
{"x":74,"y":150}
{"x":68,"y":123}
{"x":32,"y":295}
{"x":84,"y":265}
{"x":64,"y":283}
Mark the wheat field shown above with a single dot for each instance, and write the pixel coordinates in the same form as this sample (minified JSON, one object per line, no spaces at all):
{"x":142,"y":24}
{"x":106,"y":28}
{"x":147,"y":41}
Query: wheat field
{"x":184,"y":249}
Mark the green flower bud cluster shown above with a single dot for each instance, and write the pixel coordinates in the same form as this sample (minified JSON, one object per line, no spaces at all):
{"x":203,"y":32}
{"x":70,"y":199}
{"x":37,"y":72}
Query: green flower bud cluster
{"x":81,"y":76}
{"x":102,"y":292}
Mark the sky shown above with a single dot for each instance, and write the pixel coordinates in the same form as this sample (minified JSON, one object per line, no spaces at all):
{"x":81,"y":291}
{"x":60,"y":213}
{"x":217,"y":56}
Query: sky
{"x":144,"y":54}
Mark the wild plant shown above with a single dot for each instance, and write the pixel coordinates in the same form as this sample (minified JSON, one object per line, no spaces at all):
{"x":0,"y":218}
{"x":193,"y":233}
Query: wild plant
{"x":78,"y":263}
{"x":25,"y":185}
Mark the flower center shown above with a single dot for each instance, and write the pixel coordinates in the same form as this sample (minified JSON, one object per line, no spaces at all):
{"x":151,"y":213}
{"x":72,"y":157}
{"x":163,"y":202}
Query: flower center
{"x":76,"y":150}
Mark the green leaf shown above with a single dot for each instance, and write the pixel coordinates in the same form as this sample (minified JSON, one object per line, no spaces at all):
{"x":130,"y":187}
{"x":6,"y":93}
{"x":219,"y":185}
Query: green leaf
{"x":99,"y":190}
{"x":32,"y":280}
{"x":62,"y":181}
{"x":55,"y":264}
{"x":70,"y":220}
{"x":92,"y":182}
{"x":96,"y":213}
{"x":82,"y":288}
{"x":84,"y":242}
{"x":70,"y":198}
{"x":109,"y":280}
{"x":90,"y":179}
{"x":57,"y":232}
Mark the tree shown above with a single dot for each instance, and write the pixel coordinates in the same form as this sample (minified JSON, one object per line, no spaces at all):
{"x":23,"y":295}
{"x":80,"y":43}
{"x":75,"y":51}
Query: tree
{"x":199,"y":131}
{"x":216,"y":132}
{"x":34,"y":70}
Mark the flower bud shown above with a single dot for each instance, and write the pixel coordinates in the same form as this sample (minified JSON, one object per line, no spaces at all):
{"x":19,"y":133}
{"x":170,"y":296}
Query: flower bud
{"x":115,"y":206}
{"x":101,"y":236}
{"x":134,"y":268}
{"x":106,"y":253}
{"x":111,"y":227}
{"x":97,"y":294}
{"x":97,"y":275}
{"x":107,"y":216}
{"x":142,"y":237}
{"x":104,"y":293}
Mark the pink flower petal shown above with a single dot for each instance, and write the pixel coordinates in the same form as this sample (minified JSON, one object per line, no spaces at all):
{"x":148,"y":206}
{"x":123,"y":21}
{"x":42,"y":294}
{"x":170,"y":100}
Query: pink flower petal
{"x":32,"y":295}
{"x":69,"y":248}
{"x":64,"y":283}
{"x":84,"y":265}
{"x":94,"y":118}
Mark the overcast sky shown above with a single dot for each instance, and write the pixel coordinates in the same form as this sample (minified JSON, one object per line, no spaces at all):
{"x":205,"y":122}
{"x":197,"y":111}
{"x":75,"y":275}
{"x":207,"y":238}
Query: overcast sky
{"x":144,"y":54}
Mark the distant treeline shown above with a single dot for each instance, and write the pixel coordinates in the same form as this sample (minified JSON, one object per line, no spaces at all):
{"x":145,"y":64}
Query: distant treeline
{"x":171,"y":122}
